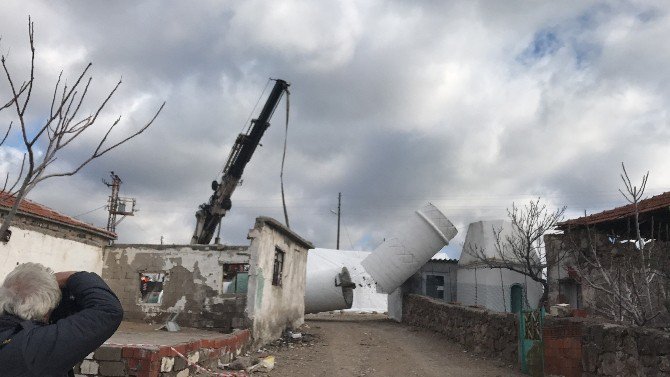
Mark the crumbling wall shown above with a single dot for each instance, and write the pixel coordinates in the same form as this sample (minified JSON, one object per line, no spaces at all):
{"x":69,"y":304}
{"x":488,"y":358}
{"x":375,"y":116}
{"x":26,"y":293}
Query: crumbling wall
{"x":272,"y":308}
{"x":488,"y":333}
{"x":194,"y":283}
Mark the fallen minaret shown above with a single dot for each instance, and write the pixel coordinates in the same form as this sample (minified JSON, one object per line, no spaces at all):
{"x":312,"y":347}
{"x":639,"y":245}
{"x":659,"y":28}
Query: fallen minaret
{"x":412,"y":245}
{"x":386,"y":268}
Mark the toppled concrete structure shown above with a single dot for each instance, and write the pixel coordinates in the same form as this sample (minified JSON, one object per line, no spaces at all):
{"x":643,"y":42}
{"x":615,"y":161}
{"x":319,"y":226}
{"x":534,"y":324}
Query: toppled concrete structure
{"x":322,"y":270}
{"x":260,"y":286}
{"x":410,"y":247}
{"x":384,"y":269}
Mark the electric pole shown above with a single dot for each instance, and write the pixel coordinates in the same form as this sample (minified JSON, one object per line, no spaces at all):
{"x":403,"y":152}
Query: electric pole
{"x":339,"y":214}
{"x":117,"y":205}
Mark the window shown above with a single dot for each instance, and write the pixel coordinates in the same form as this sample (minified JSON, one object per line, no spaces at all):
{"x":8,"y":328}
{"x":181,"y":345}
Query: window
{"x":435,"y":286}
{"x":151,"y":287}
{"x":235,"y":277}
{"x":570,"y":293}
{"x":278,"y":267}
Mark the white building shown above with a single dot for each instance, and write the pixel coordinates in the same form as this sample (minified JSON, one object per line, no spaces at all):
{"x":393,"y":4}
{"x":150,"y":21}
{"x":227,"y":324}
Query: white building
{"x":496,"y":289}
{"x":42,"y":235}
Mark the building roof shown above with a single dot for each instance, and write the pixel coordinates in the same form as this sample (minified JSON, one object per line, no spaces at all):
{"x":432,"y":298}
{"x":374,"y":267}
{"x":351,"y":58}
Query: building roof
{"x":619,"y":219}
{"x":36,"y":210}
{"x":282,"y":228}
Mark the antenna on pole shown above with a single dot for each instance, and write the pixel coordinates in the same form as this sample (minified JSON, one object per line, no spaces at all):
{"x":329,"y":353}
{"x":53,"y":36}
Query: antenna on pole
{"x":117,"y":205}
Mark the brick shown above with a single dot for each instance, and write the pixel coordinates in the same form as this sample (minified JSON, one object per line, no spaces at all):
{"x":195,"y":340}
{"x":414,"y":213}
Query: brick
{"x":128,"y":352}
{"x":112,"y":368}
{"x":108,"y":353}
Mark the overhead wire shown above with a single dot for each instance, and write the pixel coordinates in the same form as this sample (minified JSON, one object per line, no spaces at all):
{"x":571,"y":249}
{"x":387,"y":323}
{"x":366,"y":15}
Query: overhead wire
{"x":87,"y":212}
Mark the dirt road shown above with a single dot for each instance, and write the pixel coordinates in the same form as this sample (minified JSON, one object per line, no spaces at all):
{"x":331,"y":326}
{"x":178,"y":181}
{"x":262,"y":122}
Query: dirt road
{"x":345,"y":345}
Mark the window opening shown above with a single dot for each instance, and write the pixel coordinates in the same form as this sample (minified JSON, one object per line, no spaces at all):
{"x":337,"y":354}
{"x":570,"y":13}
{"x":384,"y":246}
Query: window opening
{"x":278,"y":267}
{"x":435,"y":286}
{"x":235,"y":277}
{"x":151,"y":287}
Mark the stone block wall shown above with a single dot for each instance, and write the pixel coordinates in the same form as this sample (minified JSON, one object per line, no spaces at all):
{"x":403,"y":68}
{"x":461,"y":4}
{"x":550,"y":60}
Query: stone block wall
{"x":490,"y":334}
{"x":581,"y":347}
{"x":199,"y":357}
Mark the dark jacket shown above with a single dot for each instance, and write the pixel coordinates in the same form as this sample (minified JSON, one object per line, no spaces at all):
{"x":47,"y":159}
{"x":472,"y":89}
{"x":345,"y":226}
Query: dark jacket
{"x":51,"y":350}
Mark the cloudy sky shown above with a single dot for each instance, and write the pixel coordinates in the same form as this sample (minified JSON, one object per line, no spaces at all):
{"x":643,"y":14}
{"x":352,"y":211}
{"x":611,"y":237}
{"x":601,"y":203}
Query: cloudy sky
{"x":470,"y":105}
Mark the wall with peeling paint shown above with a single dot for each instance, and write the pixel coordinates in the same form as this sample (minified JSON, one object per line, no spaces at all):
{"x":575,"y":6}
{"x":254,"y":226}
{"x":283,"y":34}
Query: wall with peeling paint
{"x":273,"y":308}
{"x":194,"y":283}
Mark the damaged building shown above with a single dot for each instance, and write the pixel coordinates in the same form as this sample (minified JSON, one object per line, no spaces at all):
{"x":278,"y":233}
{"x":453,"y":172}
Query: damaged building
{"x":259,"y":286}
{"x":218,"y":287}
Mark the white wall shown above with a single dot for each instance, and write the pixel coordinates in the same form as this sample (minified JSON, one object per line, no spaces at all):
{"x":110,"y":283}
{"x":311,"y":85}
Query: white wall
{"x":57,"y":253}
{"x":272,"y":308}
{"x":485,"y":287}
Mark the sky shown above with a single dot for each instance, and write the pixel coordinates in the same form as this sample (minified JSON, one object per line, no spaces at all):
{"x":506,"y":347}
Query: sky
{"x":470,"y":105}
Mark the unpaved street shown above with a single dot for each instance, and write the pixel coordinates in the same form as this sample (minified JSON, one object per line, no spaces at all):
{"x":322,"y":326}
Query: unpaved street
{"x":372,"y":345}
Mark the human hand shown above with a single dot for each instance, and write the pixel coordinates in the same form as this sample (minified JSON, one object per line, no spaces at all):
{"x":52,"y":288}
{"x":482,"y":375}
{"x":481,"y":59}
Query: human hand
{"x":61,"y":277}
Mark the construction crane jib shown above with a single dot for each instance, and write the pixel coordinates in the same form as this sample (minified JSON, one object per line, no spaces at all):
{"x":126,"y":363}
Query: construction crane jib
{"x":209,"y":214}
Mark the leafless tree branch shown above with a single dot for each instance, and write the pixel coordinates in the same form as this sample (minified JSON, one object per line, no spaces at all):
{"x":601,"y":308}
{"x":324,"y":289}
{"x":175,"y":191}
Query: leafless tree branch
{"x":62,"y":126}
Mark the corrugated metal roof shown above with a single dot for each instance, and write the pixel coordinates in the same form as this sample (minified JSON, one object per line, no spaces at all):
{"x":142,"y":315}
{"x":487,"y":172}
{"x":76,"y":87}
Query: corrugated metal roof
{"x":28,"y":207}
{"x":657,"y":202}
{"x":443,"y":257}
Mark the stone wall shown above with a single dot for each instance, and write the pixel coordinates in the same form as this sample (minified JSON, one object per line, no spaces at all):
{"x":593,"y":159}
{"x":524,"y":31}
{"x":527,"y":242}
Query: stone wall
{"x":490,"y":334}
{"x":582,"y":347}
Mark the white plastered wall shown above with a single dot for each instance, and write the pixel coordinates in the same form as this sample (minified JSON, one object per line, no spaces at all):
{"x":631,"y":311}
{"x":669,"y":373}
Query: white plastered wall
{"x":57,"y":253}
{"x":490,"y":288}
{"x":273,"y":308}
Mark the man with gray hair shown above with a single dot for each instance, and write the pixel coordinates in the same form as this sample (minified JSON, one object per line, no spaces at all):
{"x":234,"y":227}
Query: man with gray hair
{"x":49,"y":322}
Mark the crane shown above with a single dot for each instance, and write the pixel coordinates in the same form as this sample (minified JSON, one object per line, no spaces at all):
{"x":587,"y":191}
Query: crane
{"x":209,"y":214}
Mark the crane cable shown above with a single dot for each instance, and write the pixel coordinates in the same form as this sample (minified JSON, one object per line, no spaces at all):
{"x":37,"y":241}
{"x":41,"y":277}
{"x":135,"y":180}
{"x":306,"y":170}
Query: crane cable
{"x":283,"y":157}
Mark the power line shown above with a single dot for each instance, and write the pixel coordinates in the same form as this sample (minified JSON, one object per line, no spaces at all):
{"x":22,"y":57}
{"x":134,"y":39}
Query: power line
{"x":87,"y":212}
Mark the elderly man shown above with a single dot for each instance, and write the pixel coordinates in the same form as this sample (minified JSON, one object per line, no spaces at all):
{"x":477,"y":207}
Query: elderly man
{"x":42,"y":335}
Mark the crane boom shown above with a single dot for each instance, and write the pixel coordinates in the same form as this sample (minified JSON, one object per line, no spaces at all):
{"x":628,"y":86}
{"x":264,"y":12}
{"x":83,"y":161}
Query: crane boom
{"x":209,"y":214}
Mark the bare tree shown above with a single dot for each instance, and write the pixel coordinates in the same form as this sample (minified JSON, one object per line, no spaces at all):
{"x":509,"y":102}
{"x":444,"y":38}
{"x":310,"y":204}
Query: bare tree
{"x":62,"y":125}
{"x":624,"y":270}
{"x":522,"y":249}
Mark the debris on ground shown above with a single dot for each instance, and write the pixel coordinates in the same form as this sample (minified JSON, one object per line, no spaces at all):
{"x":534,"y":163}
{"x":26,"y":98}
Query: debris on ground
{"x":266,"y":364}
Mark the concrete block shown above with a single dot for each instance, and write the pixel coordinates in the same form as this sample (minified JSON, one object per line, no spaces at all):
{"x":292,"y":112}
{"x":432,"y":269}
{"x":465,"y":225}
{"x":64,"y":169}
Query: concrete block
{"x":179,"y":364}
{"x":112,"y":368}
{"x":167,"y":363}
{"x":193,"y":357}
{"x":108,"y":353}
{"x":183,"y":373}
{"x":88,"y":367}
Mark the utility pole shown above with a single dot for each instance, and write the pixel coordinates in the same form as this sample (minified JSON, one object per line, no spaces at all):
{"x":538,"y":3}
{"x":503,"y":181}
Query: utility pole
{"x":117,"y":205}
{"x":339,"y":214}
